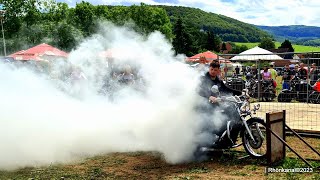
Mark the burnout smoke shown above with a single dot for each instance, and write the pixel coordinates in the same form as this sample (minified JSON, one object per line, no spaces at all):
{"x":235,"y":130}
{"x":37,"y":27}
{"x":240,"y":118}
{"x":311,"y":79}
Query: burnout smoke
{"x":50,"y":119}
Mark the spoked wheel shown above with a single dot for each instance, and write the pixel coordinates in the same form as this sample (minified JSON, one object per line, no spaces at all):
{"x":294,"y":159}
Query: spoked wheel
{"x":256,"y":148}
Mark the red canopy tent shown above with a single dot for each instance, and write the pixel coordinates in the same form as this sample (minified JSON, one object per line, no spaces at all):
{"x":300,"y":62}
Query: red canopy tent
{"x":206,"y":57}
{"x":39,"y":53}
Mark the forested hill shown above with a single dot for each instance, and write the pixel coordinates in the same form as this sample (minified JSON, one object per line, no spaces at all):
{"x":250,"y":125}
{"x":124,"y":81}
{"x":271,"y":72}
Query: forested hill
{"x":227,"y":28}
{"x":304,"y":35}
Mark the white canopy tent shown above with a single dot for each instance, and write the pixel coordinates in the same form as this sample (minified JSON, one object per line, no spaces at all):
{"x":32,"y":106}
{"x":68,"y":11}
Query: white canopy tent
{"x":256,"y":53}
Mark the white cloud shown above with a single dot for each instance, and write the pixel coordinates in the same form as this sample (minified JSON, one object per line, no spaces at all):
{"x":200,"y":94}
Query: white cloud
{"x":259,"y":12}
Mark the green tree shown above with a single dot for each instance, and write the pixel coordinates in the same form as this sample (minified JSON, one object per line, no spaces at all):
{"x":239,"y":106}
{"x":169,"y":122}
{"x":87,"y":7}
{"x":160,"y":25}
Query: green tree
{"x":119,"y":15}
{"x":287,"y":44}
{"x":84,"y":17}
{"x":267,"y":43}
{"x":32,"y":34}
{"x":182,"y":41}
{"x":213,"y":42}
{"x":223,"y":47}
{"x":237,"y":49}
{"x":12,"y":17}
{"x":102,"y":12}
{"x":150,"y":19}
{"x":56,"y":12}
{"x":210,"y":41}
{"x":234,"y":30}
{"x":66,"y":36}
{"x":33,"y":15}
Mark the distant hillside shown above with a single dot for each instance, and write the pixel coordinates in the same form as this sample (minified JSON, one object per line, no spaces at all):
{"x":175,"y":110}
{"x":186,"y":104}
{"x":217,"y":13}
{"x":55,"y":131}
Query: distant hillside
{"x":298,"y":34}
{"x":227,"y":28}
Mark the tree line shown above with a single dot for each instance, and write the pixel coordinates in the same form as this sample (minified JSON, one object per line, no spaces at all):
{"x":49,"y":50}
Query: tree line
{"x":31,"y":22}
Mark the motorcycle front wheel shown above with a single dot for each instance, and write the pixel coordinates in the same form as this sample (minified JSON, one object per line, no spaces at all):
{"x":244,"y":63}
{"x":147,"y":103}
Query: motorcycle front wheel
{"x":256,"y":148}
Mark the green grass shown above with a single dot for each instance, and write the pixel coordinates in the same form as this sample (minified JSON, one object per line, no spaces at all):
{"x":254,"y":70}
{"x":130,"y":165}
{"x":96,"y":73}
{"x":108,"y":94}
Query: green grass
{"x":297,"y":48}
{"x":115,"y":166}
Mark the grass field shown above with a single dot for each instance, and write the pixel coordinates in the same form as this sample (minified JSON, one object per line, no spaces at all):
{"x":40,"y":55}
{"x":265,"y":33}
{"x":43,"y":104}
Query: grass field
{"x":297,"y":48}
{"x":150,"y":165}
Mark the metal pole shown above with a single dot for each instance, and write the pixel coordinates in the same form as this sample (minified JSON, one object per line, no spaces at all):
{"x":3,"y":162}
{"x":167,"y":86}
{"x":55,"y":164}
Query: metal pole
{"x":284,"y":142}
{"x":302,"y":140}
{"x":258,"y":77}
{"x":308,"y":77}
{"x":4,"y":41}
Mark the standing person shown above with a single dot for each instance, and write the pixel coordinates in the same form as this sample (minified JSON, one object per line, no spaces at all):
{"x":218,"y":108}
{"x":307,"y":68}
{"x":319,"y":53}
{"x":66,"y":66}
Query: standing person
{"x":303,"y":72}
{"x":273,"y":72}
{"x":266,"y":75}
{"x":314,"y":73}
{"x":295,"y":72}
{"x":299,"y":74}
{"x":254,"y":71}
{"x":244,"y":70}
{"x":274,"y":75}
{"x":286,"y":77}
{"x":237,"y":70}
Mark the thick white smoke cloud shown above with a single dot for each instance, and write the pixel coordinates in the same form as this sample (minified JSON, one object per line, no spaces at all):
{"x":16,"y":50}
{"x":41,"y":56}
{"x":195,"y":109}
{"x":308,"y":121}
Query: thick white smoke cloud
{"x":45,"y":120}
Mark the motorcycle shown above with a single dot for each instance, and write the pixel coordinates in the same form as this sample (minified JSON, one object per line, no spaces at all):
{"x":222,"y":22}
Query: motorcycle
{"x":299,"y":91}
{"x":235,"y":83}
{"x":251,"y":130}
{"x":268,"y":90}
{"x":252,"y":86}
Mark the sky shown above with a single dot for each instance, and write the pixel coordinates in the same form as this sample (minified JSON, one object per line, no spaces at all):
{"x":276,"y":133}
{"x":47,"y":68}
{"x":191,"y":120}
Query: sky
{"x":258,"y":12}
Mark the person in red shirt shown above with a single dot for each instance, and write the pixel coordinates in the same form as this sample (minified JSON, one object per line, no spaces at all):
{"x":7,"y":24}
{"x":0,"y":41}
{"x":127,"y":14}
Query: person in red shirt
{"x":316,"y":86}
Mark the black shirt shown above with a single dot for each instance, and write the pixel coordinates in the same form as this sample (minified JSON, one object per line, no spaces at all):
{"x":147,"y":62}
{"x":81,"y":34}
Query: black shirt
{"x":315,"y":75}
{"x":237,"y":70}
{"x":286,"y":74}
{"x":303,"y":73}
{"x":207,"y":82}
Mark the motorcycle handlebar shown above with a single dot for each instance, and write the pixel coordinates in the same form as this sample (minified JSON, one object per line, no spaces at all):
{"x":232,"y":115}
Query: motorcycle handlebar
{"x":235,"y":99}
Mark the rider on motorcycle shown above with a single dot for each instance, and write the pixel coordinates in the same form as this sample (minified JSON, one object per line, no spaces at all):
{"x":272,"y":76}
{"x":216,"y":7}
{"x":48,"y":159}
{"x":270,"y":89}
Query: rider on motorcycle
{"x":210,"y":104}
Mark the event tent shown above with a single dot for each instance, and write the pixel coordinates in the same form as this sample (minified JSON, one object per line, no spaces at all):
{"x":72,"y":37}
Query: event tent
{"x":208,"y":56}
{"x":256,"y":53}
{"x":40,"y":52}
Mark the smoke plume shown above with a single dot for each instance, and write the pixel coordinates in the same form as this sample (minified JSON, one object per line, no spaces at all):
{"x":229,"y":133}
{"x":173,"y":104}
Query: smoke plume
{"x":53,"y":118}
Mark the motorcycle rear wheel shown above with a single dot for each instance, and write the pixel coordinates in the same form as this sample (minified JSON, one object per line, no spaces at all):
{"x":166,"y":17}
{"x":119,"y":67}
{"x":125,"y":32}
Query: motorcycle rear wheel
{"x":257,"y":149}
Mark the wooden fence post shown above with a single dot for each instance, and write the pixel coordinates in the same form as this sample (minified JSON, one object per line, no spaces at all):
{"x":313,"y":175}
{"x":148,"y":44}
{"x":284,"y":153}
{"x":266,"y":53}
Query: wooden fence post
{"x":276,"y":150}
